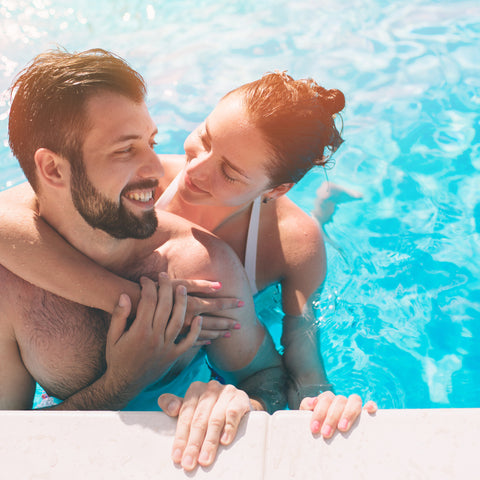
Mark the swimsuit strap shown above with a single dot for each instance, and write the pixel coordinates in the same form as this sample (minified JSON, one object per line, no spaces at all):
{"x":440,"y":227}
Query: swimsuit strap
{"x":168,"y":194}
{"x":251,"y":246}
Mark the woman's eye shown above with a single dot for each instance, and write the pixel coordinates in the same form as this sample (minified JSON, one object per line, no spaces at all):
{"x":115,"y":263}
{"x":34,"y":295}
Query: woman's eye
{"x":227,"y":177}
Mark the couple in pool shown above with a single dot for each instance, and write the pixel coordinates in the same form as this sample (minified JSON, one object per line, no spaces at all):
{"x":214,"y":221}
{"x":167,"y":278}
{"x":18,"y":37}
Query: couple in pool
{"x":110,"y":296}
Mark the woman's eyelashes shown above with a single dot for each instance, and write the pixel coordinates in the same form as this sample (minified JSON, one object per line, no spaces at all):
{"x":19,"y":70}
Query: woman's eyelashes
{"x":226,"y":176}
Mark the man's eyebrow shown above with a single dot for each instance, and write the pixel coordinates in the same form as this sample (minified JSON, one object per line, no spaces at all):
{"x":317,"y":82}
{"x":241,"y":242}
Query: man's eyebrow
{"x":226,"y":160}
{"x":124,"y":138}
{"x":132,"y":136}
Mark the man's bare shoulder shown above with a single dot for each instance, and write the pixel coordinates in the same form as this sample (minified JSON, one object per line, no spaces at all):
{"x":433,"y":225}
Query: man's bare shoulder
{"x":22,"y":195}
{"x":195,"y":251}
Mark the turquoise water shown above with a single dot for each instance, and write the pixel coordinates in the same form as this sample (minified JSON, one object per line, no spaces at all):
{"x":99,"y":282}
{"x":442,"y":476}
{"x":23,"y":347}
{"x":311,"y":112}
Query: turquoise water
{"x":400,"y":311}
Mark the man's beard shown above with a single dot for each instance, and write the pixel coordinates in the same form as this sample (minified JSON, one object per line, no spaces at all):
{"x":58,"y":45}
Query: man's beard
{"x":100,"y":212}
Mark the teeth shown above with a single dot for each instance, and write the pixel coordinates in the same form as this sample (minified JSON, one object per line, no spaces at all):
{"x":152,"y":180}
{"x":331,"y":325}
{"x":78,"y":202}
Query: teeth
{"x":140,"y":196}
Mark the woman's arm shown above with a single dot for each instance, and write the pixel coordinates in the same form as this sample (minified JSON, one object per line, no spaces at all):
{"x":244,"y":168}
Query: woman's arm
{"x":303,"y":273}
{"x":32,"y":250}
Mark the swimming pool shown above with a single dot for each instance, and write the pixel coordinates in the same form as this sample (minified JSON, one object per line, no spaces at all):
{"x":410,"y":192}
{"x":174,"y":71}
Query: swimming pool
{"x":400,"y":308}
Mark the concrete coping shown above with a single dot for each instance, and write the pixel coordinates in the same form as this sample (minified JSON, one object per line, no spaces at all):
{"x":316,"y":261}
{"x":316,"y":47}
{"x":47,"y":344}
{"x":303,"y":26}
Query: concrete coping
{"x":392,"y":444}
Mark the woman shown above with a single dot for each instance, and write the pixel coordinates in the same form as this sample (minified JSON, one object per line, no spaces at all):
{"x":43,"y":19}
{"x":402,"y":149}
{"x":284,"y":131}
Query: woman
{"x":256,"y":144}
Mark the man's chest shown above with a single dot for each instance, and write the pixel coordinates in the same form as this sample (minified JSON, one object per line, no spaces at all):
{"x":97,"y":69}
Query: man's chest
{"x":62,"y":344}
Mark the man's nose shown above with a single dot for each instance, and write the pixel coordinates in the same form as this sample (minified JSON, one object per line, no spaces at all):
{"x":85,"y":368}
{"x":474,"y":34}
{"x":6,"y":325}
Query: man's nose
{"x":151,"y":166}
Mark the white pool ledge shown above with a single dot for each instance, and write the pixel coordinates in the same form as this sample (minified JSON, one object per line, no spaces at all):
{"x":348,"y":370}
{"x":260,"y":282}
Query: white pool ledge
{"x":393,"y":444}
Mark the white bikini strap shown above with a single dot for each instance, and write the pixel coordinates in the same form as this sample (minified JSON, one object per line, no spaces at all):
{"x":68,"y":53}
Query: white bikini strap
{"x":251,"y":246}
{"x":167,"y":196}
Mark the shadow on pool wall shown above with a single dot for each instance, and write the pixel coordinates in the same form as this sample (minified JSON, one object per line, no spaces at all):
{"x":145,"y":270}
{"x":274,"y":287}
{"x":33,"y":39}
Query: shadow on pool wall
{"x":400,"y":307}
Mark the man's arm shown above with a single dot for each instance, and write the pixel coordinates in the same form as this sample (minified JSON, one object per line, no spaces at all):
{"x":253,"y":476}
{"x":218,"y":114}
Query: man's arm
{"x":17,"y":387}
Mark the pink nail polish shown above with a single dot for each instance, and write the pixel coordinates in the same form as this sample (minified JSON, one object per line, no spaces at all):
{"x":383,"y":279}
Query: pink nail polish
{"x":326,"y":430}
{"x":217,"y":285}
{"x":343,"y":425}
{"x":315,"y":427}
{"x":227,"y":335}
{"x":240,"y":303}
{"x":237,"y":326}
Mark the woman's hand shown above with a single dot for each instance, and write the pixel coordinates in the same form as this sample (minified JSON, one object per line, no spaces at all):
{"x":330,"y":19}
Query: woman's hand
{"x":214,"y":311}
{"x":331,"y":412}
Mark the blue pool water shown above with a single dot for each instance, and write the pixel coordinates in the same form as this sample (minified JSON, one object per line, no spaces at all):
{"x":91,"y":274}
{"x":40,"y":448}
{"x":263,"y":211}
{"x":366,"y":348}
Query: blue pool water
{"x":400,"y":310}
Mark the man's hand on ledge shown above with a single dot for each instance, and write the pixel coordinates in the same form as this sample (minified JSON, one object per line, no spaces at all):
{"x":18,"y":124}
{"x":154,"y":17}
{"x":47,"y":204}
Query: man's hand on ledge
{"x":208,"y":416}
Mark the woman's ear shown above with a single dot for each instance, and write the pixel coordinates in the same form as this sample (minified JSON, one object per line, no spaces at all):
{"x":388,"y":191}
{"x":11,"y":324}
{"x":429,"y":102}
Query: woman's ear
{"x":51,"y":168}
{"x":277,"y":191}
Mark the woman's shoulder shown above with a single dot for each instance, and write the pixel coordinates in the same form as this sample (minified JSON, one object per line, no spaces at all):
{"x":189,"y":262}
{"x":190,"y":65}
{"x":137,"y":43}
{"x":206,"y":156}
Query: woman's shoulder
{"x":293,"y":240}
{"x":295,"y":225}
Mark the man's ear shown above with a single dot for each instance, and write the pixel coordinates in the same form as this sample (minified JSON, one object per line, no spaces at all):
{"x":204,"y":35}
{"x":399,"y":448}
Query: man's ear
{"x":52,"y":169}
{"x":278,"y":191}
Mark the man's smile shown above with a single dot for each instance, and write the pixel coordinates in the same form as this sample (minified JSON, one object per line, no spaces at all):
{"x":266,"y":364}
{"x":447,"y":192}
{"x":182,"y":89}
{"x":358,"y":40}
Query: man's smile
{"x":139,"y":196}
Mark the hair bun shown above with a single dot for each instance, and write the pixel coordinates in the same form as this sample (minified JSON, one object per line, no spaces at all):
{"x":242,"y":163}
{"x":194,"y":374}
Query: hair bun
{"x":334,"y":101}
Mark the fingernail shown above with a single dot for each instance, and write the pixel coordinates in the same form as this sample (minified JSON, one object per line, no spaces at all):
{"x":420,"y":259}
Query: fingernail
{"x":177,"y":455}
{"x":240,"y":303}
{"x":188,"y":461}
{"x":237,"y":326}
{"x":343,"y":424}
{"x":227,"y":335}
{"x":182,"y":290}
{"x":225,"y":438}
{"x":122,"y":301}
{"x":315,"y":427}
{"x":326,"y":430}
{"x":204,"y":457}
{"x":163,"y":274}
{"x":217,"y":285}
{"x":172,"y":406}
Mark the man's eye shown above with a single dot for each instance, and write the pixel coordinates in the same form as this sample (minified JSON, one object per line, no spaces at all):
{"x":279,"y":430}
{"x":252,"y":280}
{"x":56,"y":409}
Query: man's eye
{"x":125,"y":150}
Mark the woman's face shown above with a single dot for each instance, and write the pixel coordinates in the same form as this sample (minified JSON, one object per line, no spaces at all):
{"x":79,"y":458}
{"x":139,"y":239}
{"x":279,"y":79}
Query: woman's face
{"x":226,"y":157}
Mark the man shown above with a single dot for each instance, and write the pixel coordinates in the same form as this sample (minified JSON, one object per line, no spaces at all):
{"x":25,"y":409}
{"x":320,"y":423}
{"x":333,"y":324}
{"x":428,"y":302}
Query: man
{"x":82,"y":133}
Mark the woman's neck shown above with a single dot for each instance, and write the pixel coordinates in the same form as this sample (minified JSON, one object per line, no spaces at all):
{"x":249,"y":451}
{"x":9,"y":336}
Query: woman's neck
{"x":209,"y":217}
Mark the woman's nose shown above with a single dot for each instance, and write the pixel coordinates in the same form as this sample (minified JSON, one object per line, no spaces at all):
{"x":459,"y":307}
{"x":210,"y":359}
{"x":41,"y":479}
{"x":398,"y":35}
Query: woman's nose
{"x":199,"y":165}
